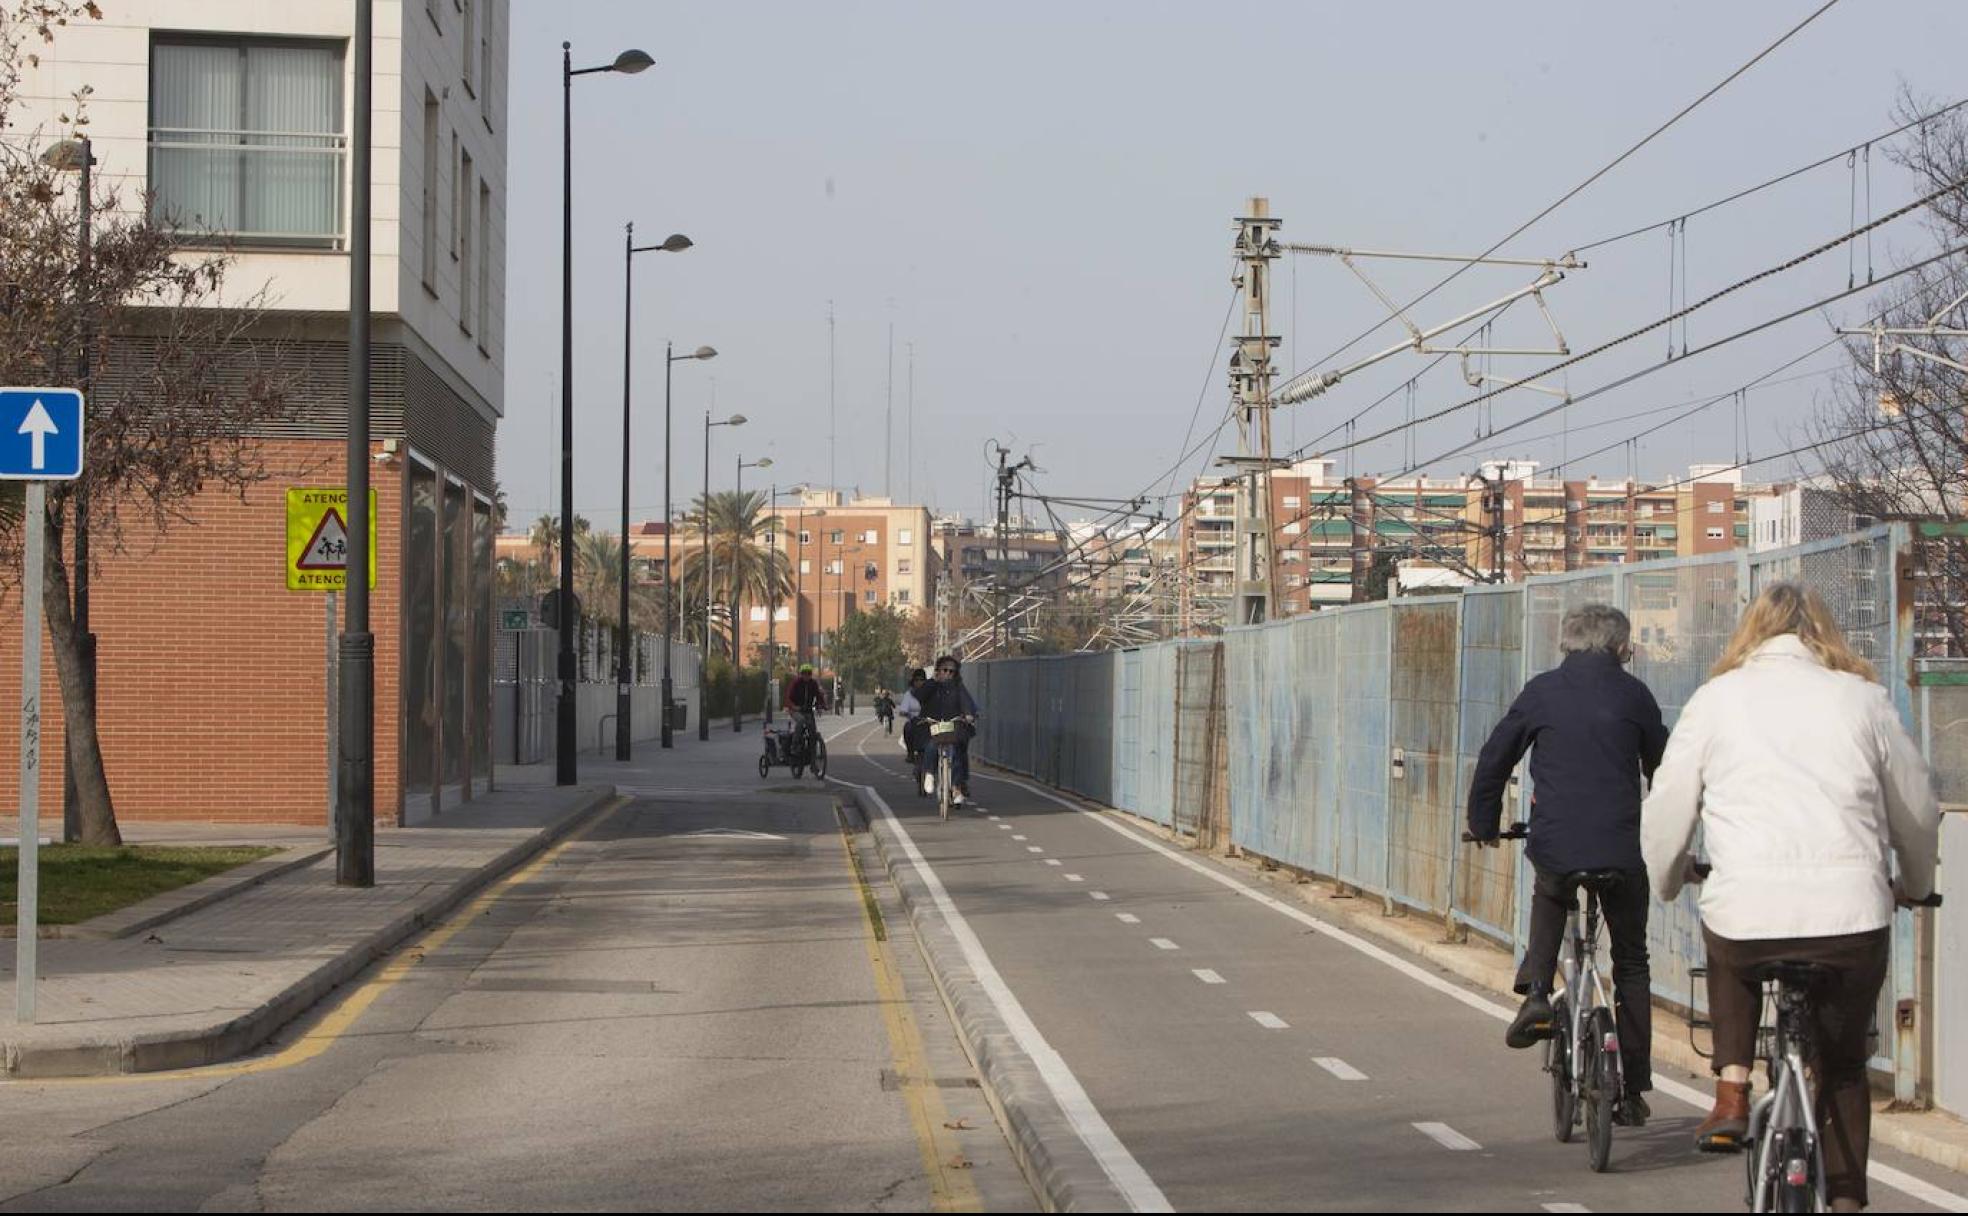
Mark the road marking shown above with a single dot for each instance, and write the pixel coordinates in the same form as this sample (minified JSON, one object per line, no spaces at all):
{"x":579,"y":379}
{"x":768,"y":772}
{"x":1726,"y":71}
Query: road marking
{"x":950,"y":1186}
{"x":1127,"y":918}
{"x":1054,"y":861}
{"x":1115,"y":1161}
{"x":1566,"y":1207}
{"x":1446,"y":1136}
{"x":725,"y":834}
{"x":1004,"y":827}
{"x":1270,"y":1021}
{"x":1100,"y":895}
{"x":1207,"y":976}
{"x":339,"y":1020}
{"x":1075,"y":878}
{"x":1339,"y":1068}
{"x":1163,"y":943}
{"x":1020,"y":837}
{"x":1031,"y":848}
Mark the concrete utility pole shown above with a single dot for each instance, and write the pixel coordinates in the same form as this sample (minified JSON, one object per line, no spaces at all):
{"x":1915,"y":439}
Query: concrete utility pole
{"x":945,"y":588}
{"x":1250,"y":396}
{"x":1363,"y":536}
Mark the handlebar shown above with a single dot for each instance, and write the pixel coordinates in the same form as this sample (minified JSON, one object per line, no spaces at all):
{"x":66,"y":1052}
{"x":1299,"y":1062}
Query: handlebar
{"x":1516,"y":831}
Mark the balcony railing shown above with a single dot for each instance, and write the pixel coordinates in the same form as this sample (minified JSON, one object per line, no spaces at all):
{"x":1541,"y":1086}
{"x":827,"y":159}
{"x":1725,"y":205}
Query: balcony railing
{"x":255,"y":187}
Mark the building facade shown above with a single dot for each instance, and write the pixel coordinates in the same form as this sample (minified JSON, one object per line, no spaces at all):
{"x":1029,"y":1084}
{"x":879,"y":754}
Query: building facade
{"x":232,"y":122}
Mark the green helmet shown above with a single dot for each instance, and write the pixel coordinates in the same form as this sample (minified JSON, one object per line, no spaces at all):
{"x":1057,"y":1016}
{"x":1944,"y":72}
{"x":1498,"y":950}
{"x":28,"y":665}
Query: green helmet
{"x":806,"y":669}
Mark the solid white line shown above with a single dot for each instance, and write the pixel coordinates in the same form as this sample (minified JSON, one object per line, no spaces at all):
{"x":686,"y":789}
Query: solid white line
{"x":1119,"y":1164}
{"x":1270,"y":1021}
{"x":1100,"y":895}
{"x":1339,"y":1068}
{"x":1207,"y":976}
{"x":1163,"y":943}
{"x":1447,"y":1137}
{"x":1127,"y":918}
{"x":1075,"y":878}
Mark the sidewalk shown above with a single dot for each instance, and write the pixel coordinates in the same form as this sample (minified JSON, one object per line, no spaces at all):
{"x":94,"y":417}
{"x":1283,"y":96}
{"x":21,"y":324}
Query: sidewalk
{"x":215,"y":983}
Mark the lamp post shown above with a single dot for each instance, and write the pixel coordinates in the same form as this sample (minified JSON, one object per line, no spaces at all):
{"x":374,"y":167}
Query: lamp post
{"x":670,"y":360}
{"x":355,"y":711}
{"x":625,"y":669}
{"x":737,"y":591}
{"x":78,"y":155}
{"x":772,"y":602}
{"x":566,"y":730}
{"x":704,"y":530}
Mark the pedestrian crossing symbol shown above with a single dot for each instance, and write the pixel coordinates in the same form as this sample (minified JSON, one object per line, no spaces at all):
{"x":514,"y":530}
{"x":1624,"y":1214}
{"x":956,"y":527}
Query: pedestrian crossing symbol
{"x":318,"y":539}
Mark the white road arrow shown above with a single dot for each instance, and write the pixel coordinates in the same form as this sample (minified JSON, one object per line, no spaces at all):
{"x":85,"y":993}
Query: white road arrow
{"x":38,"y":425}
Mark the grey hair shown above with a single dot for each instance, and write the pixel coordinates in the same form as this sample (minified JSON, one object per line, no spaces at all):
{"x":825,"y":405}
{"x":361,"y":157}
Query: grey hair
{"x":1592,"y":627}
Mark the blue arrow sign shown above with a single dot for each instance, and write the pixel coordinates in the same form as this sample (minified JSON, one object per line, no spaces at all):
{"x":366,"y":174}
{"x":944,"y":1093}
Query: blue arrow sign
{"x":40,"y":434}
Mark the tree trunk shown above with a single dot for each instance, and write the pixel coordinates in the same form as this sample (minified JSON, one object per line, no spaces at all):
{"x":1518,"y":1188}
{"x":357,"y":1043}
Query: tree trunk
{"x":84,"y":746}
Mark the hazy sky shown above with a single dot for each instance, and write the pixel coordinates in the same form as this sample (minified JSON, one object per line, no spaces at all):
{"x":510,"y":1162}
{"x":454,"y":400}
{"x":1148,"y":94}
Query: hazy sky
{"x":1039,"y":198}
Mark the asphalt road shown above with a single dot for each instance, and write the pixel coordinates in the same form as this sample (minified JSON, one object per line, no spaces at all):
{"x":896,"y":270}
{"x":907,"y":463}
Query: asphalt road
{"x":1247,"y":1061}
{"x":688,"y":1008}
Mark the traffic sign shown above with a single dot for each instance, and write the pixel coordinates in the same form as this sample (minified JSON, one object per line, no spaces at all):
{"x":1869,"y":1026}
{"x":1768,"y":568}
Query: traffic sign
{"x":515,"y":620}
{"x":40,"y":434}
{"x":317,"y":539}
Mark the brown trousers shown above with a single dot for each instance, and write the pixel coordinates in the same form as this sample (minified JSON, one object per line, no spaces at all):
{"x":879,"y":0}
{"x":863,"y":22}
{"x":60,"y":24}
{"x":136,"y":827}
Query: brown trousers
{"x":1844,"y":1012}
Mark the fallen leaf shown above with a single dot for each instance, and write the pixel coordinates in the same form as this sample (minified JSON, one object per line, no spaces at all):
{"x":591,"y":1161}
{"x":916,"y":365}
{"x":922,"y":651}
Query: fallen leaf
{"x":961,"y":1125}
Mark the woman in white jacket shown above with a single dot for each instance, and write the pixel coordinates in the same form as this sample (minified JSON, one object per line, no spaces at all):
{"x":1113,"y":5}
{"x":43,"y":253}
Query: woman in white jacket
{"x":1793,"y":761}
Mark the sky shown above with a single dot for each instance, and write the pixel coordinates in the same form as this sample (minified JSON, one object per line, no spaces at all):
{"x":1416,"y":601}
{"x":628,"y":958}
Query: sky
{"x":1037,"y":200}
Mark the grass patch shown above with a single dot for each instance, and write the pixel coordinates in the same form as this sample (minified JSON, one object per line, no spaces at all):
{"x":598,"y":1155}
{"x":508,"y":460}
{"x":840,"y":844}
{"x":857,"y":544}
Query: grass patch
{"x":79,"y":882}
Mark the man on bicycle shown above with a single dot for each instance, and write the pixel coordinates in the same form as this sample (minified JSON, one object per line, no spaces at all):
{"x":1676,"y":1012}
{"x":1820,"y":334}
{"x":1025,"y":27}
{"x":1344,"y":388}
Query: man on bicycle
{"x":913,"y":727}
{"x":803,"y":697}
{"x":945,"y":699}
{"x":1594,"y":732}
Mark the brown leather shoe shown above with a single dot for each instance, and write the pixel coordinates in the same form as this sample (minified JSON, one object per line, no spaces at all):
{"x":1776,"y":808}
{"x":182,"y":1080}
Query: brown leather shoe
{"x":1728,"y":1123}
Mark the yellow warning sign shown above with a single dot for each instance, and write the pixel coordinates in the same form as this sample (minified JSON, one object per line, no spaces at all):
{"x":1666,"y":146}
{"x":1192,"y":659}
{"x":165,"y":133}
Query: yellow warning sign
{"x":317,"y":539}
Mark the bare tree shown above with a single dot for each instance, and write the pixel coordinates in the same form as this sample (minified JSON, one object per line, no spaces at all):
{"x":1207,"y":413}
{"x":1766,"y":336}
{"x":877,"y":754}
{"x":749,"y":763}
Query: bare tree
{"x":1894,"y":435}
{"x":181,"y":386}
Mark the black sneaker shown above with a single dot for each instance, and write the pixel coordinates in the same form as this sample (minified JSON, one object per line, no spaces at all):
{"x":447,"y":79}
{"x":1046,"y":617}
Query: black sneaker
{"x":1533,"y":1023}
{"x":1633,"y":1111}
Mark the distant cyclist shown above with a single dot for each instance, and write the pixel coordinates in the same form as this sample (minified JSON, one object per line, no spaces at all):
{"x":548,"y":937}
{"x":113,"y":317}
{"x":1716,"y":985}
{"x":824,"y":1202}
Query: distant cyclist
{"x":1593,"y":731}
{"x":912,"y":725}
{"x":885,"y":710}
{"x":805,"y":696}
{"x":945,"y":699}
{"x":1805,"y":785}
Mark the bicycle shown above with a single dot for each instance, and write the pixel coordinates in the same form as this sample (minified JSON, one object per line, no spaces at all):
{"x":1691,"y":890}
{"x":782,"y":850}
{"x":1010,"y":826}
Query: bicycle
{"x":1582,"y":1055}
{"x":945,"y":736}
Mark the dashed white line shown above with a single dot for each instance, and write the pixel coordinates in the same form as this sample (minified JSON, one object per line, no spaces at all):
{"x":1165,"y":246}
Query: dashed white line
{"x":1075,"y":878}
{"x":1446,"y":1136}
{"x":1207,"y":976}
{"x":1004,"y":827}
{"x":1021,"y":838}
{"x":1127,"y":918}
{"x":1163,"y":943}
{"x":1100,"y":895}
{"x":1032,"y":848}
{"x":1270,"y":1021}
{"x":1339,"y":1068}
{"x":1054,"y":861}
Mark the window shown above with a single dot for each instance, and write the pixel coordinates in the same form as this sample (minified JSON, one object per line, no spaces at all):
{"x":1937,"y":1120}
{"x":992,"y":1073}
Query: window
{"x":904,"y":566}
{"x":1291,"y":502}
{"x":902,"y":596}
{"x":430,"y":193}
{"x":484,"y":265}
{"x":470,"y":44}
{"x":1715,"y":534}
{"x":836,"y":537}
{"x":782,"y":613}
{"x":430,"y":10}
{"x":806,"y":567}
{"x":1715,"y":508}
{"x":834,"y":566}
{"x":485,"y":65}
{"x":758,"y":610}
{"x":806,"y":538}
{"x":771,"y":541}
{"x":465,"y":246}
{"x":246,"y":139}
{"x":460,"y":182}
{"x":870,"y":597}
{"x":1294,"y":528}
{"x":905,"y":537}
{"x":871,"y":537}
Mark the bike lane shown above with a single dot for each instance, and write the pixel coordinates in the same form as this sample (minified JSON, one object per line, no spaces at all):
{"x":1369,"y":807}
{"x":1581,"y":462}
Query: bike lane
{"x":1248,"y":1060}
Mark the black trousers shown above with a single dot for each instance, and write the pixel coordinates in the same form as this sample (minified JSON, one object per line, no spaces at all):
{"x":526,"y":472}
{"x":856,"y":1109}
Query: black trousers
{"x":1624,"y":909}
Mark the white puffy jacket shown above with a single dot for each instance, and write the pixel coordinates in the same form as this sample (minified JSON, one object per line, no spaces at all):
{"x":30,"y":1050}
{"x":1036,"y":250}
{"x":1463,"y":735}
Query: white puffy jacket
{"x":1802,"y":779}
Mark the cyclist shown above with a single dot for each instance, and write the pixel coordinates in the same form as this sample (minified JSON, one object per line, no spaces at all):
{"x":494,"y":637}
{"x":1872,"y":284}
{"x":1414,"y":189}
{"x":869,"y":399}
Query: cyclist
{"x":804,"y":696}
{"x":885,"y":710}
{"x":912,"y":725}
{"x":945,"y":699}
{"x":1802,"y":778}
{"x":1594,"y":732}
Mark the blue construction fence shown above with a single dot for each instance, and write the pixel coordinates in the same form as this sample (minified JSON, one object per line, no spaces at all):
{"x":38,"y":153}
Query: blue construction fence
{"x":1345,"y":740}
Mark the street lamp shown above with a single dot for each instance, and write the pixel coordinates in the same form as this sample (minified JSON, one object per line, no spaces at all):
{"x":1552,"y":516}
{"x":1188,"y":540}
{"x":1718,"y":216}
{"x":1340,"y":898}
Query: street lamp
{"x":624,"y":667}
{"x":670,"y":360}
{"x":737,"y":647}
{"x":704,"y":531}
{"x":78,"y":156}
{"x":772,"y":602}
{"x":566,"y":733}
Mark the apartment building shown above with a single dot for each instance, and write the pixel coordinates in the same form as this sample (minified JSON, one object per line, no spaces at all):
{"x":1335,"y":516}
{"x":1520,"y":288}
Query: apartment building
{"x":232,"y":120}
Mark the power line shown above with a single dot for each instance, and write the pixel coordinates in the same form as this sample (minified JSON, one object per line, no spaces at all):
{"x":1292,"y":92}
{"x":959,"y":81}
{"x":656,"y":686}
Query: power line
{"x":1576,"y":190}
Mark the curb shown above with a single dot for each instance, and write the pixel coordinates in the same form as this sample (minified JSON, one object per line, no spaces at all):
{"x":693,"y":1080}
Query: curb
{"x":1467,"y":962}
{"x":214,"y":1044}
{"x":1056,"y":1163}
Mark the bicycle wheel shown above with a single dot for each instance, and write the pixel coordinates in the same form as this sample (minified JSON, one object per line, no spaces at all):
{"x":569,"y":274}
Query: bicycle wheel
{"x":819,"y":759}
{"x":1601,"y":1090}
{"x":943,"y":783}
{"x":1558,"y":1062}
{"x":765,"y":767}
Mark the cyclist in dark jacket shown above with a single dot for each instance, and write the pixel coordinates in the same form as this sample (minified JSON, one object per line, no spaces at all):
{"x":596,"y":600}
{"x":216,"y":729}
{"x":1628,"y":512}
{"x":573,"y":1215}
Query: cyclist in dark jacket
{"x":945,"y":699}
{"x":1593,"y":732}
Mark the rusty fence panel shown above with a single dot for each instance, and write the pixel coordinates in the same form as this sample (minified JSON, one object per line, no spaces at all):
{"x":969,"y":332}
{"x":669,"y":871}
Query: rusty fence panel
{"x":1361,"y":701}
{"x":1422,"y":820}
{"x":1201,"y":722}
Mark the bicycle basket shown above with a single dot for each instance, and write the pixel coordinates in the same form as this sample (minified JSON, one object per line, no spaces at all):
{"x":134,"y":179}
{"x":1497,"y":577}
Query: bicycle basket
{"x":946,"y":732}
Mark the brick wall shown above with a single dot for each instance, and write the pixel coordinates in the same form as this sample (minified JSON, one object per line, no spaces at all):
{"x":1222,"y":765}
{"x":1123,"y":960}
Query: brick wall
{"x":212,"y":698}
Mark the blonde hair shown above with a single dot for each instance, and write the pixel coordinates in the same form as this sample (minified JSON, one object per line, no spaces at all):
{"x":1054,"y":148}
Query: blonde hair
{"x":1792,"y":608}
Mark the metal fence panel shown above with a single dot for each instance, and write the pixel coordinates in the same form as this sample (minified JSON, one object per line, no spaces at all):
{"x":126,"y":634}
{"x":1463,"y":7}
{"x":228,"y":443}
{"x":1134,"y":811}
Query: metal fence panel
{"x":1129,"y":706}
{"x":1254,"y":694}
{"x":1199,"y":720}
{"x":1422,"y":794}
{"x":1492,"y":658}
{"x":1365,"y":637}
{"x":1314,"y":672}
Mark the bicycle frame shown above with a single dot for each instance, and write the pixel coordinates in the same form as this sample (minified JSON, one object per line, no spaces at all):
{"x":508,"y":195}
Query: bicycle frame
{"x":1581,"y":971}
{"x":1789,"y":1103}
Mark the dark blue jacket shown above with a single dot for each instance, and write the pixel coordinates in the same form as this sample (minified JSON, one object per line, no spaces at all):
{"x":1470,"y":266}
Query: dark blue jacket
{"x":1592,"y":731}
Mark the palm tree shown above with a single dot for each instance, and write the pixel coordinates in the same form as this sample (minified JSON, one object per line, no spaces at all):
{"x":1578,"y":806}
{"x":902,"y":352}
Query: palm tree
{"x":544,"y":536}
{"x":739,"y":563}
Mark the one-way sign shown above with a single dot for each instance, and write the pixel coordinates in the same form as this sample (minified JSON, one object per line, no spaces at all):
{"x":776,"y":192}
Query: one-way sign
{"x":40,"y":434}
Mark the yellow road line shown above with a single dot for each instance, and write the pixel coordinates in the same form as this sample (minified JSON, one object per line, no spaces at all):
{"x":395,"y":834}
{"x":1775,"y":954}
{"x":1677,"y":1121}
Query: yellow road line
{"x":337,"y":1022}
{"x":950,"y":1185}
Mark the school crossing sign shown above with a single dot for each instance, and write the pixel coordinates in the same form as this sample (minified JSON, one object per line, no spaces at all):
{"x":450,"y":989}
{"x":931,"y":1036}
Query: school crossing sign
{"x":317,"y":539}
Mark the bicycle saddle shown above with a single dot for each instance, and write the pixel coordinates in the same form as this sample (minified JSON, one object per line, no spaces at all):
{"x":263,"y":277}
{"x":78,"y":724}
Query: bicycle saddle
{"x":1791,"y":973}
{"x":1596,"y":880}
